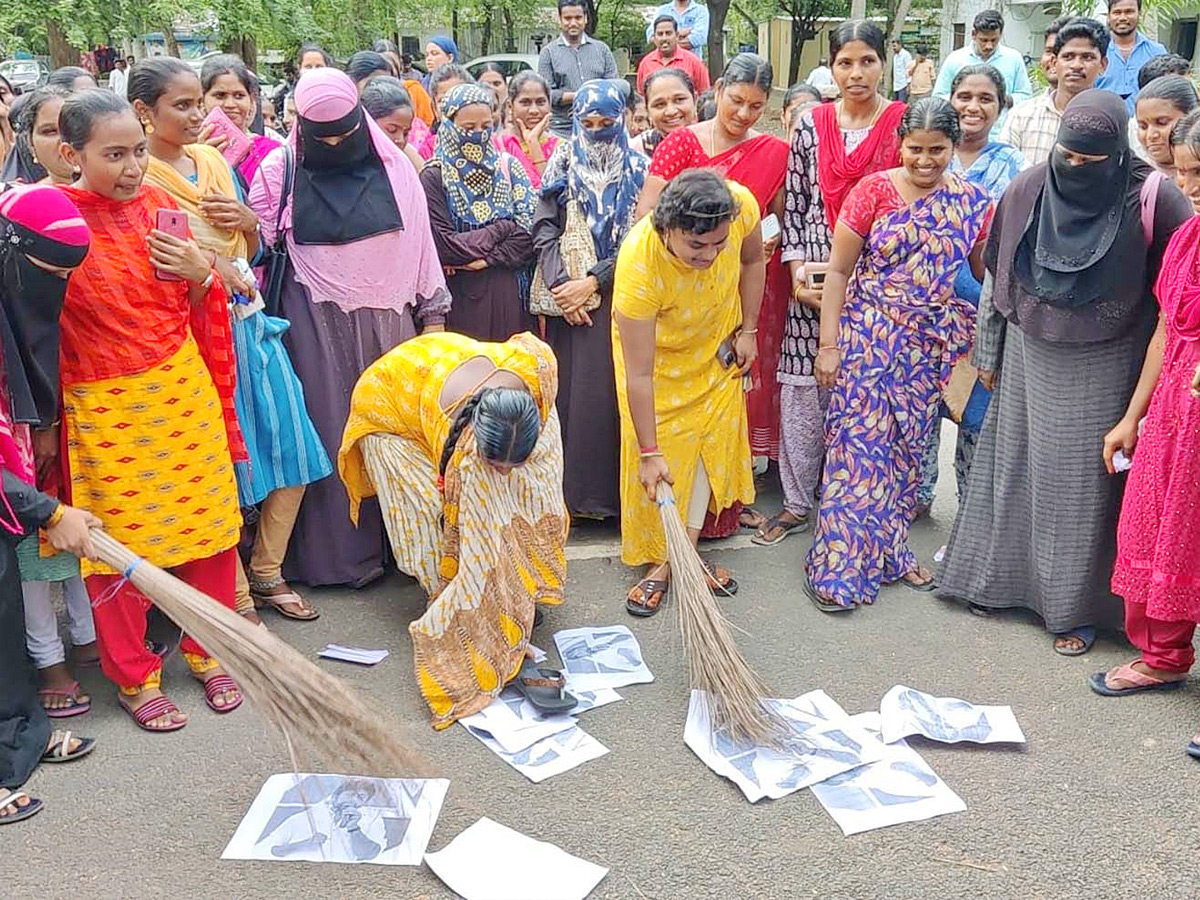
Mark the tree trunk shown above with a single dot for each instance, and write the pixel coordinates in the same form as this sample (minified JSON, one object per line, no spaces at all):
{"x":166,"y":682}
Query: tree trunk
{"x":717,"y":11}
{"x":245,"y":46}
{"x":61,"y":51}
{"x":510,"y":32}
{"x":486,"y":39}
{"x":172,"y":45}
{"x":798,"y":41}
{"x":898,"y":21}
{"x":454,"y":24}
{"x":858,"y":9}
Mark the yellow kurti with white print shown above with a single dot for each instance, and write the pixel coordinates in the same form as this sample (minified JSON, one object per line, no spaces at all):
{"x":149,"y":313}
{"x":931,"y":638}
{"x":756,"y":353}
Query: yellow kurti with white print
{"x":700,"y":408}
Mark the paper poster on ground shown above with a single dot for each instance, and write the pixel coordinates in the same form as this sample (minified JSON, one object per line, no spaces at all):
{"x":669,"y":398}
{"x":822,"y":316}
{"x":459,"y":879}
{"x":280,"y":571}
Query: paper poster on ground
{"x":900,"y":787}
{"x":906,"y":711}
{"x":607,"y":657}
{"x":340,"y":818}
{"x":489,"y":861}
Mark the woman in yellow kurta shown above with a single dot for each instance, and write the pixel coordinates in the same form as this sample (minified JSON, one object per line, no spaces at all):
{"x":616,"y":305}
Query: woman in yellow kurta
{"x":460,"y":441}
{"x":689,"y":284}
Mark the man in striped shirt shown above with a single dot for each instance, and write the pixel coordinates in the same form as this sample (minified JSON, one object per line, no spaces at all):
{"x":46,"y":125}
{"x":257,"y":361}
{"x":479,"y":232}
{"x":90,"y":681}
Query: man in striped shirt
{"x":569,"y":61}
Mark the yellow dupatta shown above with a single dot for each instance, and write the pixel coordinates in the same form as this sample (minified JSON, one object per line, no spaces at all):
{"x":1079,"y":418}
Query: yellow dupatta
{"x":213,"y":176}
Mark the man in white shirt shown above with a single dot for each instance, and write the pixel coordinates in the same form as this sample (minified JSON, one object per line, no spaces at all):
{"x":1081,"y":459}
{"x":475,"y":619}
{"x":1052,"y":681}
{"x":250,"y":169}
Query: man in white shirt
{"x":822,"y":79}
{"x":118,"y":78}
{"x":901,"y":62}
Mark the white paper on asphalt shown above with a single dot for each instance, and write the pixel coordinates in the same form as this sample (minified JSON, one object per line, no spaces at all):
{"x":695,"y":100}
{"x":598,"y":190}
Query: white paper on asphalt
{"x":550,"y":756}
{"x":356,"y":655}
{"x":340,"y":818}
{"x":898,"y":788}
{"x":489,"y":861}
{"x":514,"y":723}
{"x":906,"y":711}
{"x":606,"y":657}
{"x":590,"y":699}
{"x":826,"y":743}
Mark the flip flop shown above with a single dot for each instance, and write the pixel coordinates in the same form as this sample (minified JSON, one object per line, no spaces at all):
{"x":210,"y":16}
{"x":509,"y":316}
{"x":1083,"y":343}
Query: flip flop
{"x":281,"y":603}
{"x":1193,"y":750}
{"x":219,"y":684}
{"x":544,"y":687}
{"x":728,"y":589}
{"x":649,"y":587}
{"x":151,"y":710}
{"x":77,"y":708}
{"x":1142,"y":683}
{"x":787,"y":528}
{"x":60,"y":754}
{"x":158,"y":648}
{"x":820,"y":603}
{"x":750,"y":509}
{"x":1085,"y":633}
{"x":23,"y":812}
{"x":927,"y":588}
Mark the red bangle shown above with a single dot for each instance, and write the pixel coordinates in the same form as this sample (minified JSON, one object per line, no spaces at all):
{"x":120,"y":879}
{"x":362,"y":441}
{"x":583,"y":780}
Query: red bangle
{"x":645,"y":450}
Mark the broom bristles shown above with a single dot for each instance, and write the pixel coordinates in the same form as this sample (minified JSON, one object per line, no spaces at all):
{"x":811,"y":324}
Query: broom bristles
{"x":313,"y":709}
{"x":734,"y":694}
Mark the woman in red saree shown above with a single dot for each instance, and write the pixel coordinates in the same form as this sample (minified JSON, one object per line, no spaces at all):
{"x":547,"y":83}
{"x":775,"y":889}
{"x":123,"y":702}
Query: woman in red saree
{"x":757,"y":161}
{"x":150,"y":432}
{"x":1157,"y":570}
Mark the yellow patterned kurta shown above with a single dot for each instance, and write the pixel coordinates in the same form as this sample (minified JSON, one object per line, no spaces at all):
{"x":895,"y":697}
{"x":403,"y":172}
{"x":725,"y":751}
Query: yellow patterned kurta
{"x":501,"y":547}
{"x":700,"y":410}
{"x":161,"y":481}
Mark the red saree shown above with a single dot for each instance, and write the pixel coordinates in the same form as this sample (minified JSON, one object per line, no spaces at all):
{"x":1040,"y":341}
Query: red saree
{"x":759,"y":164}
{"x":838,"y":172}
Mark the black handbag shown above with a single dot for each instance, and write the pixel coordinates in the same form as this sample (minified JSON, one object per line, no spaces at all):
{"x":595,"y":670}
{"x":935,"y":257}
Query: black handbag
{"x":276,"y":263}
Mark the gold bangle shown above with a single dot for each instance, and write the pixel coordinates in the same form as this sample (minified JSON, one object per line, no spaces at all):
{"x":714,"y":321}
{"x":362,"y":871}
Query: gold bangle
{"x":655,"y":454}
{"x":56,"y":516}
{"x":821,"y":350}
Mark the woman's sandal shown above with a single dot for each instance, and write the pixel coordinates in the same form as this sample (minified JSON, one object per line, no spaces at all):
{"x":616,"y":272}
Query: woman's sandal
{"x":1193,"y":748}
{"x":1139,"y":682}
{"x":77,"y":707}
{"x":544,"y":687}
{"x":216,"y":685}
{"x":720,"y":580}
{"x":757,"y":523}
{"x":10,"y":798}
{"x":653,"y":592}
{"x":60,"y":748}
{"x":1085,"y":634}
{"x":825,"y":606}
{"x":158,"y":648}
{"x":290,"y":605}
{"x":784,"y":528}
{"x":151,"y":710}
{"x":923,"y":587}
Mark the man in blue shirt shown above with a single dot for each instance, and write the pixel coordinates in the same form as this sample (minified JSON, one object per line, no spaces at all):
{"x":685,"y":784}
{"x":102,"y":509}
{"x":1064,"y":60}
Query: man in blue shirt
{"x":985,"y":47}
{"x":1128,"y":52}
{"x":692,"y":19}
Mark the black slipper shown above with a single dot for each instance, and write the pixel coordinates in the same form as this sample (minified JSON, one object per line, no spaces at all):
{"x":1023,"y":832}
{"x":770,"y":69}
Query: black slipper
{"x":823,"y":605}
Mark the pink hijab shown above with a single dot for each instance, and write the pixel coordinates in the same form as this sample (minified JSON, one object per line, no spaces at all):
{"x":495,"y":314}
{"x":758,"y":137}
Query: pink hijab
{"x":386,"y":271}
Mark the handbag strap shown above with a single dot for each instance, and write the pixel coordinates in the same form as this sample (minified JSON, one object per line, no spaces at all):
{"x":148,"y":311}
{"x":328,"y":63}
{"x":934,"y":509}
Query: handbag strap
{"x":285,"y":195}
{"x":1149,"y":198}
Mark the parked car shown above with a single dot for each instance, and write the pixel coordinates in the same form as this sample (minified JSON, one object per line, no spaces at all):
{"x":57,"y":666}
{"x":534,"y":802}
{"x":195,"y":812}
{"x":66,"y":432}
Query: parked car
{"x":24,"y":74}
{"x":511,"y":63}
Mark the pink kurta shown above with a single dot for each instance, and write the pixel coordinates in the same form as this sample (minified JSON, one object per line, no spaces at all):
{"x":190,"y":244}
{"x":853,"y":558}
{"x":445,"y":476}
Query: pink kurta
{"x":1158,"y":539}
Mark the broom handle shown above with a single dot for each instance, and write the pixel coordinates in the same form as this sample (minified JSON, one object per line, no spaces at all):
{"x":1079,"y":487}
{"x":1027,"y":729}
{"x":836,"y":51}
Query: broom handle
{"x":110,"y":551}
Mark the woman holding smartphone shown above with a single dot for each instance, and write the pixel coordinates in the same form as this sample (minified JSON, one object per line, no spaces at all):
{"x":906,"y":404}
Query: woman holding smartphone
{"x":285,"y":451}
{"x":147,"y":374}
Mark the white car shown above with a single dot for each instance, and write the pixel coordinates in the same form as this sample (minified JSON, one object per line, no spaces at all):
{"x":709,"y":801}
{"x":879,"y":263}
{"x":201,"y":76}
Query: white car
{"x":511,"y":63}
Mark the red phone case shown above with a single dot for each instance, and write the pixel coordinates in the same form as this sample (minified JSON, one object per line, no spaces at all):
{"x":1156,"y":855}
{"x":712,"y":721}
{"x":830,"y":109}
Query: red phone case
{"x":174,"y":223}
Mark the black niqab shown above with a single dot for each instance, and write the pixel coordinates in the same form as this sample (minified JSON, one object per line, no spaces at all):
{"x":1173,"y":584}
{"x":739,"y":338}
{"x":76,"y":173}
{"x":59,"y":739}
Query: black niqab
{"x":342,"y":193}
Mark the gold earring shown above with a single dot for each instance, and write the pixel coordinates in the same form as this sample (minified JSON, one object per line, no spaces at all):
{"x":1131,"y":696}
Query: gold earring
{"x":148,"y":128}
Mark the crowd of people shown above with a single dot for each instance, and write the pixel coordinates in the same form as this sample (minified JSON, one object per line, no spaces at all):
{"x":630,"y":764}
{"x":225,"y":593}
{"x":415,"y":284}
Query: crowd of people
{"x":496,"y":306}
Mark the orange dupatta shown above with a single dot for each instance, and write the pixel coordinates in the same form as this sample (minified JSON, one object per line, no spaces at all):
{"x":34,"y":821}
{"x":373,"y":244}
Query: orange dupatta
{"x":119,"y":318}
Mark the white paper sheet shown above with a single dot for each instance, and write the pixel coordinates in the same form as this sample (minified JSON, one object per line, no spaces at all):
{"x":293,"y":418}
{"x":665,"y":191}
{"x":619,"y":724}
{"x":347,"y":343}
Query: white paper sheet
{"x":898,"y":788}
{"x":907,"y":711}
{"x":828,"y":743}
{"x":590,"y":699}
{"x":552,"y":756}
{"x":601,"y":657}
{"x":539,"y":655}
{"x":489,"y":861}
{"x":514,"y":723}
{"x":353,"y":654}
{"x":357,"y":819}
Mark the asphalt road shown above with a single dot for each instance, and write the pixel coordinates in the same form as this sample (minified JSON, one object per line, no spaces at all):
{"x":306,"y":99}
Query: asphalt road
{"x":1101,"y":802}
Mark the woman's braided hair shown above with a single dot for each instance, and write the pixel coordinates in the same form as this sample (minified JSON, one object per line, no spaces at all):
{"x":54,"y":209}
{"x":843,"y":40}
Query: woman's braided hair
{"x":464,"y":417}
{"x":507,"y":426}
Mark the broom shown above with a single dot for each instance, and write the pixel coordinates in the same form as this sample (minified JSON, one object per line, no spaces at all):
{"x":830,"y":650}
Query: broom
{"x":733,"y":691}
{"x":310,"y":707}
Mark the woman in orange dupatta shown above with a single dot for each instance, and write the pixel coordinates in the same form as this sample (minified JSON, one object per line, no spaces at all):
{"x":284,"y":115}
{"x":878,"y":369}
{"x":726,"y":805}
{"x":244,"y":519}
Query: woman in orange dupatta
{"x":150,"y":430}
{"x":730,"y":144}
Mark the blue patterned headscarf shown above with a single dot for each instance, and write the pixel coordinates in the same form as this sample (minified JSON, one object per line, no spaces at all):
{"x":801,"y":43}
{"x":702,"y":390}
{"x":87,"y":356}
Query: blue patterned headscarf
{"x":481,"y":183}
{"x":596,"y":167}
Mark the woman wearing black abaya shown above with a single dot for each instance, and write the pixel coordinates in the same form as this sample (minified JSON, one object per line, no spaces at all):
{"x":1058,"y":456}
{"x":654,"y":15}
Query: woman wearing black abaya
{"x":1064,"y":322}
{"x":42,"y":238}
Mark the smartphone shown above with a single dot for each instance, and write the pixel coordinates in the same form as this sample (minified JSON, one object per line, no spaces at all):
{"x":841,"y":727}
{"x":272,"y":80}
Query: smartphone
{"x":173,"y":222}
{"x":770,"y":227}
{"x":237,"y":142}
{"x":725,"y":353}
{"x":814,"y":274}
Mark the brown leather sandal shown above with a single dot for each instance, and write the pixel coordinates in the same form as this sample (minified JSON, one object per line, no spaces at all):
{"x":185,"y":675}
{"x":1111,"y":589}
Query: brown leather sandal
{"x":645,"y":597}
